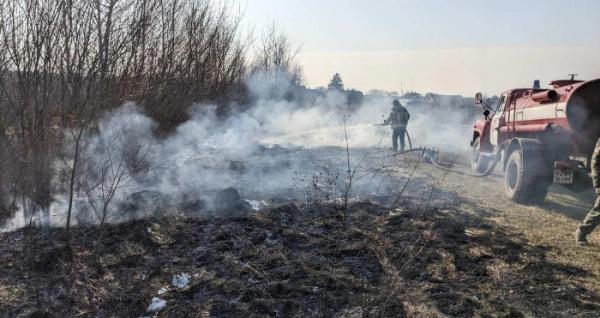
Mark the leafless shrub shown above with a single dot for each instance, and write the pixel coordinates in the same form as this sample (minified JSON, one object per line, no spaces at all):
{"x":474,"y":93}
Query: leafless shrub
{"x":321,"y":191}
{"x":350,"y":171}
{"x":408,"y":180}
{"x":63,"y":63}
{"x":109,"y":173}
{"x":275,"y":54}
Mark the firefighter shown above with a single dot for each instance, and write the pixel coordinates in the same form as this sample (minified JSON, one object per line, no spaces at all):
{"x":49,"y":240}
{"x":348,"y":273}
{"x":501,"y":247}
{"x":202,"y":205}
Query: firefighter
{"x":398,"y":119}
{"x":593,"y":218}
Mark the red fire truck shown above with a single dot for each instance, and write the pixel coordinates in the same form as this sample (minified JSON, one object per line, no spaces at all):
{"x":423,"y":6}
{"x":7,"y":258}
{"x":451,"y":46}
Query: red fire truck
{"x":539,"y":135}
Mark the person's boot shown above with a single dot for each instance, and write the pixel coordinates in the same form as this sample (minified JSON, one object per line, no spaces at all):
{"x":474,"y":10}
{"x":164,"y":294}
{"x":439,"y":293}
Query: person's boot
{"x":580,"y":238}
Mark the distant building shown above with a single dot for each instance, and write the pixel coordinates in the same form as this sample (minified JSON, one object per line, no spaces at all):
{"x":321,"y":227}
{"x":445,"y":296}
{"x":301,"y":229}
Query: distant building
{"x":444,"y":100}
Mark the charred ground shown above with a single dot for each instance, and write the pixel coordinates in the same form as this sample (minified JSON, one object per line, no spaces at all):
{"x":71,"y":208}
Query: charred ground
{"x":466,"y":256}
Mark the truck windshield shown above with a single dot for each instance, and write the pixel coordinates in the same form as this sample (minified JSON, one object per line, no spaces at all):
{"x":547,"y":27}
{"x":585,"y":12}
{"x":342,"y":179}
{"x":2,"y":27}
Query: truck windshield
{"x":500,"y":105}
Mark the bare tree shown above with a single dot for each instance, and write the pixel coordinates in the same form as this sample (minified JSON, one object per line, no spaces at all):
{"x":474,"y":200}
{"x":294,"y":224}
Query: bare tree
{"x":277,"y":55}
{"x":110,"y":170}
{"x":63,"y":63}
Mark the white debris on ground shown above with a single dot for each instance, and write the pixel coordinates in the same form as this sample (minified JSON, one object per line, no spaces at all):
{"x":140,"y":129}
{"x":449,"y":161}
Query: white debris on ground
{"x":257,"y":205}
{"x":163,"y":290}
{"x":157,"y":304}
{"x":181,"y":281}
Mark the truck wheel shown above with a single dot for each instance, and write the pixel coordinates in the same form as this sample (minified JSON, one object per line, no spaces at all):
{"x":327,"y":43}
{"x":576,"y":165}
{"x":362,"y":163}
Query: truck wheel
{"x":523,"y":182}
{"x":479,"y":163}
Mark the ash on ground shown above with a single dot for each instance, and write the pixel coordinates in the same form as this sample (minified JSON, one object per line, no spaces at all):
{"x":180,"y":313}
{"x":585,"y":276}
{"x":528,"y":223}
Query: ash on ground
{"x":287,"y":261}
{"x":203,"y":181}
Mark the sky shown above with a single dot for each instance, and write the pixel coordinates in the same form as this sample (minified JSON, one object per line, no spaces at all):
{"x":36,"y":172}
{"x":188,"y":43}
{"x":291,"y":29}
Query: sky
{"x":451,"y":47}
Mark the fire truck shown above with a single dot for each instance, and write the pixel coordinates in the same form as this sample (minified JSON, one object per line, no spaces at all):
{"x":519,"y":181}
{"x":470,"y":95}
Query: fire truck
{"x":540,"y":136}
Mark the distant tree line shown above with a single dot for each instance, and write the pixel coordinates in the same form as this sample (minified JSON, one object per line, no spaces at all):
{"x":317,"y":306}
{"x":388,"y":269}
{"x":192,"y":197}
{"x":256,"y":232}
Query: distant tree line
{"x":354,"y":97}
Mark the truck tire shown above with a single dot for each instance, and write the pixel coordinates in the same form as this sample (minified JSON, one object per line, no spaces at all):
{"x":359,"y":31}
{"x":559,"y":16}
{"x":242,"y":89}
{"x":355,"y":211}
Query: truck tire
{"x":523,"y":182}
{"x":479,"y":163}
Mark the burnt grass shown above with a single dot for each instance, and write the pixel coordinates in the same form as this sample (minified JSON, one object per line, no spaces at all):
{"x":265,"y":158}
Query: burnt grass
{"x":290,"y":262}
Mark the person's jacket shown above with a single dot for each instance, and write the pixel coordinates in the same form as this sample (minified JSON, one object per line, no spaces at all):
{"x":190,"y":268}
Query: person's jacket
{"x":398,"y":118}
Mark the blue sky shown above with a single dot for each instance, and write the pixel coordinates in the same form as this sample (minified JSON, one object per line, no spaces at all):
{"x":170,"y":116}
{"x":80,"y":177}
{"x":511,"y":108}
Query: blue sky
{"x":438,"y":28}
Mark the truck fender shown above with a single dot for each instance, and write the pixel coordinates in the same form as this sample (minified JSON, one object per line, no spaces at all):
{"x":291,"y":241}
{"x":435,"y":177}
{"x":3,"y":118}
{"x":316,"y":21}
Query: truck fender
{"x":475,"y":135}
{"x":533,"y":152}
{"x":481,"y":129}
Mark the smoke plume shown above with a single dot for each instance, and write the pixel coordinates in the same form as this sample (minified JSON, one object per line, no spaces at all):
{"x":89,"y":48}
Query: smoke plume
{"x":278,"y":149}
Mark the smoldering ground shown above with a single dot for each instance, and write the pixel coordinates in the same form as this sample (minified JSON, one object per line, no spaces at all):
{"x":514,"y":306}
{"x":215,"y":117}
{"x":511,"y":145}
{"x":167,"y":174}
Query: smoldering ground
{"x":276,"y":150}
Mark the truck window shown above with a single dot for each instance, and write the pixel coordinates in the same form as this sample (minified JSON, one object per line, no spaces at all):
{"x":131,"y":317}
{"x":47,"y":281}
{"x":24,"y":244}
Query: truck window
{"x":501,"y":103}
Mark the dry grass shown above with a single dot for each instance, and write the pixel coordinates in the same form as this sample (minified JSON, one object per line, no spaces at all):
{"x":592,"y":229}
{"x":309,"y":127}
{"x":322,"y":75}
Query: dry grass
{"x":474,"y":255}
{"x":285,"y":262}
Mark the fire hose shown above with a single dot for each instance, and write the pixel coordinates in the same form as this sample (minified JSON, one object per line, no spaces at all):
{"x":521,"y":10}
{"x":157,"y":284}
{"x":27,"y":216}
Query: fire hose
{"x":432,"y":158}
{"x":409,"y":141}
{"x":487,"y":172}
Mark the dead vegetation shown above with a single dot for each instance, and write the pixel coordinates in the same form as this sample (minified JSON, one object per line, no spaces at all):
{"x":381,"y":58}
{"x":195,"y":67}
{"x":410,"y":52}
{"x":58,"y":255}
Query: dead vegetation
{"x":286,"y":262}
{"x":65,"y":64}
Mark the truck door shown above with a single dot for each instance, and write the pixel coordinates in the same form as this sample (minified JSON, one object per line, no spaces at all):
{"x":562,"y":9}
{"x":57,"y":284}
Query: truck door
{"x":519,"y":111}
{"x":498,"y":120}
{"x":507,"y":130}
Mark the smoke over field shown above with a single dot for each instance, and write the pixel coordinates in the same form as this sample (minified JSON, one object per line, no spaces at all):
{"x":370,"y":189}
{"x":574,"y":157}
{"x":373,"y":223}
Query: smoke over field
{"x":277,"y":150}
{"x":169,"y":158}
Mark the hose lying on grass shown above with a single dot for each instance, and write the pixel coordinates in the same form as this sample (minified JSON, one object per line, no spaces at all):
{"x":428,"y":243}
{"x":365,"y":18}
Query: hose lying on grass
{"x":485,"y":173}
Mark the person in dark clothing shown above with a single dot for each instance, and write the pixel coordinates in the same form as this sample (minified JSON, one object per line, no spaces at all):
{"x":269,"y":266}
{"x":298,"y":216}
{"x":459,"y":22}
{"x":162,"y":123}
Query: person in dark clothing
{"x":398,"y":133}
{"x":592,"y":220}
{"x":398,"y":120}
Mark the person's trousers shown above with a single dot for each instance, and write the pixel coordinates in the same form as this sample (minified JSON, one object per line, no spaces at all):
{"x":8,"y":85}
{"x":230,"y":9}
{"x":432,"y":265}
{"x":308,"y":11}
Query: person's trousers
{"x":398,"y":133}
{"x":592,"y":220}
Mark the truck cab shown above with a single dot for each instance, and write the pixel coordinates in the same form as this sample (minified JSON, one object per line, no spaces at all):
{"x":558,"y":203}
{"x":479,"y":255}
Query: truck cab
{"x":487,"y":136}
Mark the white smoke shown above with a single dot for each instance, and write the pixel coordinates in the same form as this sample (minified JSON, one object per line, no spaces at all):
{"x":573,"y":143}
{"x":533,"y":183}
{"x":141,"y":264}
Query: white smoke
{"x":275,"y":149}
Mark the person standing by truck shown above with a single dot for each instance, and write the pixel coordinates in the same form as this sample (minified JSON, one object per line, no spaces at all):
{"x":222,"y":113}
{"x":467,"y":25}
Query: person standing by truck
{"x":592,"y":220}
{"x":398,"y":120}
